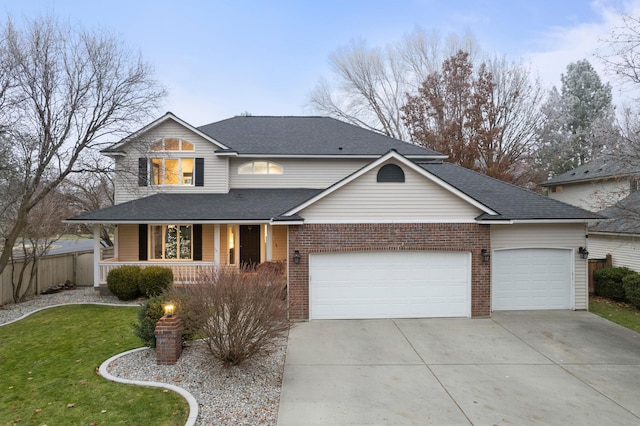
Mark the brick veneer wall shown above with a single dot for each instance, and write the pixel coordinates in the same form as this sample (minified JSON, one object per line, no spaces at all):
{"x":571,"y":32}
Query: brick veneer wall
{"x":332,"y":238}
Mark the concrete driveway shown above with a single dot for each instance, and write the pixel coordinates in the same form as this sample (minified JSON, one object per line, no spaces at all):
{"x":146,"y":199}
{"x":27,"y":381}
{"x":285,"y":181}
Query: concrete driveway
{"x":546,"y":367}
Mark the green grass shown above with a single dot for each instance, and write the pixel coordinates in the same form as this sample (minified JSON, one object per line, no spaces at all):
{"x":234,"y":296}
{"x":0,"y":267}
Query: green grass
{"x":48,"y":371}
{"x":620,"y":313}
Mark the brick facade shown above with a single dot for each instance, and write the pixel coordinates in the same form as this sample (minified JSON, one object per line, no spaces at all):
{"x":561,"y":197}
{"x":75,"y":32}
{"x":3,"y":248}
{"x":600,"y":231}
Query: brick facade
{"x":332,"y":238}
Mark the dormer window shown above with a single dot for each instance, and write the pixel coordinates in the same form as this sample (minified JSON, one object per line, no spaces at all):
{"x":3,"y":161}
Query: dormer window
{"x":390,"y":173}
{"x":260,"y":168}
{"x":172,"y":144}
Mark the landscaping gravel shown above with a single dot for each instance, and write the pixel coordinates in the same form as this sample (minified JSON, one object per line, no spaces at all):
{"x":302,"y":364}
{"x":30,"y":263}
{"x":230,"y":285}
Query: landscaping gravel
{"x":248,"y":394}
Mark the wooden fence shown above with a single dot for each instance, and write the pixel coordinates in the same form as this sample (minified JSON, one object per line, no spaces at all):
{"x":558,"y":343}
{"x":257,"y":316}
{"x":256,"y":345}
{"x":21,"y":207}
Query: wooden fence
{"x":594,"y":265}
{"x":52,"y":270}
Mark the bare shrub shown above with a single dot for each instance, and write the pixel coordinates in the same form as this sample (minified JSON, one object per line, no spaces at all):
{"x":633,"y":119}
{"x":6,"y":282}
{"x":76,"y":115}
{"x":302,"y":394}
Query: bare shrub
{"x":238,"y":313}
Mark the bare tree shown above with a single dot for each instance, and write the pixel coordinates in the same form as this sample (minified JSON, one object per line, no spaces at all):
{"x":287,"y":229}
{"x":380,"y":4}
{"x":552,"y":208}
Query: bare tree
{"x":63,"y":90}
{"x":91,"y":190}
{"x":370,"y":83}
{"x":484,"y":118}
{"x":45,"y":226}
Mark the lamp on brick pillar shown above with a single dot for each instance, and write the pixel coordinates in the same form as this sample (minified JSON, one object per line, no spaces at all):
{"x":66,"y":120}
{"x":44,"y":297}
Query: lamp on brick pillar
{"x":168,"y":336}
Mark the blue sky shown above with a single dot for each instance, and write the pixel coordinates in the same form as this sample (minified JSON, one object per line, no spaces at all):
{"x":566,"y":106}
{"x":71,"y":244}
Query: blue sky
{"x":222,"y":58}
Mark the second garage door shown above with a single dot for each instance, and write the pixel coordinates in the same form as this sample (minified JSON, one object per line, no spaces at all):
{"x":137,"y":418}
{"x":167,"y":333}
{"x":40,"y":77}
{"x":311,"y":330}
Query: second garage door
{"x":531,"y":279}
{"x":399,"y":284}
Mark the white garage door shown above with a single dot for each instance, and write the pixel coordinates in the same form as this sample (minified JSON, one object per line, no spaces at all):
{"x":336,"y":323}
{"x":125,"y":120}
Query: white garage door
{"x":531,"y":279}
{"x":399,"y":284}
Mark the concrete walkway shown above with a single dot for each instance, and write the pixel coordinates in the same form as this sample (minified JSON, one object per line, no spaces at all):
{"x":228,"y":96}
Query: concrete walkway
{"x":544,"y":367}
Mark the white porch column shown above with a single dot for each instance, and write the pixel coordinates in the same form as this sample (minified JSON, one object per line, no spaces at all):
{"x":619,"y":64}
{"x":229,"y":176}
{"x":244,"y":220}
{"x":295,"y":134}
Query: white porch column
{"x":216,"y":244}
{"x":268,"y":243}
{"x":96,"y":255}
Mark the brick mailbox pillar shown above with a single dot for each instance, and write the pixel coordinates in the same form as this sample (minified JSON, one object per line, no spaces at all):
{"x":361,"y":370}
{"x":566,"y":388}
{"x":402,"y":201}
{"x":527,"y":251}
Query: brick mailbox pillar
{"x":168,"y":340}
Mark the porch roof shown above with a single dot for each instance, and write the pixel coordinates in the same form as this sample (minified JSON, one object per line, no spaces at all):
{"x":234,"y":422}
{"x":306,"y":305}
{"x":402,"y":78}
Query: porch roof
{"x":238,"y":205}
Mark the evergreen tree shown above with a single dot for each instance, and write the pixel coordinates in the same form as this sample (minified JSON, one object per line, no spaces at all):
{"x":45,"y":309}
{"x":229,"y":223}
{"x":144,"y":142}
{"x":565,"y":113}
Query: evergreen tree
{"x":580,"y":121}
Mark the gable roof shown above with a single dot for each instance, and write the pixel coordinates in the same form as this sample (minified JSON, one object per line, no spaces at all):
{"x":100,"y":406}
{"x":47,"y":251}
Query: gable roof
{"x":594,"y":170}
{"x":117,"y":147}
{"x":621,"y":218}
{"x":257,"y":205}
{"x":510,"y":202}
{"x":307,"y":136}
{"x":407,"y":163}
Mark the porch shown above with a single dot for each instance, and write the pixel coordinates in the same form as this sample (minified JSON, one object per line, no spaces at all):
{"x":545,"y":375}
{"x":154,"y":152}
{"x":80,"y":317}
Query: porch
{"x":192,"y":250}
{"x":183,"y":272}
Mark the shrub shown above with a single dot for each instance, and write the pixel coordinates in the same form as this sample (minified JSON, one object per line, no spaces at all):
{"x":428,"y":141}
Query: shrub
{"x":123,"y":282}
{"x":631,"y":284}
{"x":149,"y":314}
{"x":238,"y":314}
{"x":608,"y":282}
{"x":154,"y":280}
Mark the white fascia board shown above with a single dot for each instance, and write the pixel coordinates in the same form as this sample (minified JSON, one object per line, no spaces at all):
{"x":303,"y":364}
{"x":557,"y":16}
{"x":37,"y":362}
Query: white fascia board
{"x":530,"y":221}
{"x":385,"y":221}
{"x":168,"y":116}
{"x":410,"y":164}
{"x":334,"y":156}
{"x":168,"y":222}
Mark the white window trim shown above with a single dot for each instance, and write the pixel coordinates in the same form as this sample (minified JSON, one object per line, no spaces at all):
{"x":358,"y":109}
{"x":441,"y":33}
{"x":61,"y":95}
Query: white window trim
{"x":164,"y":241}
{"x":268,"y":168}
{"x":180,"y":149}
{"x":180,"y":173}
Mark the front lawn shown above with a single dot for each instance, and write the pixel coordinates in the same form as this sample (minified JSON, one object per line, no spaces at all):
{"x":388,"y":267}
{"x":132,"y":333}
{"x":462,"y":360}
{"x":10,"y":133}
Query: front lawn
{"x":624,"y":314}
{"x":48,"y":371}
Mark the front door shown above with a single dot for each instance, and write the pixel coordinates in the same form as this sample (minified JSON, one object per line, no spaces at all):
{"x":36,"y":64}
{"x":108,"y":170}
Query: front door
{"x":249,"y":245}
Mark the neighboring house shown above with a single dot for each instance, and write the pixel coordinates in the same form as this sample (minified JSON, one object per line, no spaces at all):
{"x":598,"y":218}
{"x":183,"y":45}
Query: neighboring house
{"x":618,"y":234}
{"x":368,"y":226}
{"x":608,"y":187}
{"x":595,"y":185}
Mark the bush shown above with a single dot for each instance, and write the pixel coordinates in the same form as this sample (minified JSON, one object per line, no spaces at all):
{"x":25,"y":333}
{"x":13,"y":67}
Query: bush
{"x":631,"y":284}
{"x":608,"y":282}
{"x":123,"y":282}
{"x":154,"y":280}
{"x":238,"y":314}
{"x":148,"y":315}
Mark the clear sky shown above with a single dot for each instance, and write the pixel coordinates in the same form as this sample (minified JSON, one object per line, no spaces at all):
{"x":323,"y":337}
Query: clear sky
{"x":222,"y":58}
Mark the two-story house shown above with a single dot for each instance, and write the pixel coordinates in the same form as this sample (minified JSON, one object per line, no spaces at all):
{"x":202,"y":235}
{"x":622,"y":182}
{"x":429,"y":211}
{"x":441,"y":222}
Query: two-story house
{"x":368,"y":226}
{"x":610,"y":188}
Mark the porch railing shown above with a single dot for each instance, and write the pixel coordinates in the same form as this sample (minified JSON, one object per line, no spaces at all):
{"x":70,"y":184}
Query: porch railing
{"x":183,"y":272}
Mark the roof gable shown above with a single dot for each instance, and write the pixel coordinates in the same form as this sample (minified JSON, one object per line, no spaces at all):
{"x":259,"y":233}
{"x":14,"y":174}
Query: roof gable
{"x":307,"y":136}
{"x":380,"y":161}
{"x":117,"y":148}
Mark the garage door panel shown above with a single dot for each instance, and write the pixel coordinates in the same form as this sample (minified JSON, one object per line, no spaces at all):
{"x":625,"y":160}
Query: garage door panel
{"x":531,"y":279}
{"x":389,"y":285}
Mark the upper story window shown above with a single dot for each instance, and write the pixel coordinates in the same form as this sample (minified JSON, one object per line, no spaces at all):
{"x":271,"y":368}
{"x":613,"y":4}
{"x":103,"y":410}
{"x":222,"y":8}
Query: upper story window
{"x":172,"y":144}
{"x":390,"y":173}
{"x":260,"y":168}
{"x":172,"y":171}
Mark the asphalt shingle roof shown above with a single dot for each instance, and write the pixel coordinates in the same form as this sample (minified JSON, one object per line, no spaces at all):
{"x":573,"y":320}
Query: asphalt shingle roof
{"x":305,"y":136}
{"x":621,"y":218}
{"x":509,"y":201}
{"x":238,"y":204}
{"x":594,"y":170}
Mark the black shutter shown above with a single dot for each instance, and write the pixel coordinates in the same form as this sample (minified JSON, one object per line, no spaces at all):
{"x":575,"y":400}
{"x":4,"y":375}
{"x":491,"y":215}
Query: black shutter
{"x":197,"y":241}
{"x":143,"y":231}
{"x":199,"y":181}
{"x":143,"y":173}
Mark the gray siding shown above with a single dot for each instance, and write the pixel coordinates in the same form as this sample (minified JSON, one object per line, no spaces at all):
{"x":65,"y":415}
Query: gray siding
{"x":625,"y":251}
{"x":216,"y":173}
{"x":415,"y":200}
{"x":298,"y":173}
{"x":593,"y":196}
{"x":559,"y":236}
